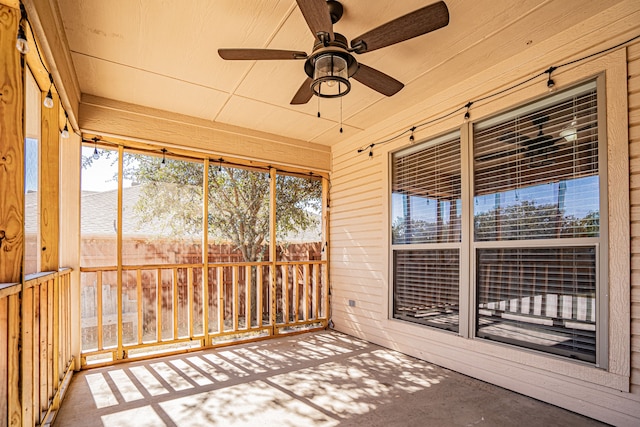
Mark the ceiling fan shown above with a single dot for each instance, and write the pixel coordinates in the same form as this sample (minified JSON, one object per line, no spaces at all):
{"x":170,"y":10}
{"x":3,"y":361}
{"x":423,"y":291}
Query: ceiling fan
{"x":331,"y":62}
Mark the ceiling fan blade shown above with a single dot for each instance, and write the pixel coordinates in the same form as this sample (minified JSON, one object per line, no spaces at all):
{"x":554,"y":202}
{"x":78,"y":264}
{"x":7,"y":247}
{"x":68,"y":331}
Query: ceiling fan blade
{"x":255,"y":54}
{"x":377,"y":80}
{"x":304,"y":94}
{"x":411,"y":25}
{"x":316,"y":13}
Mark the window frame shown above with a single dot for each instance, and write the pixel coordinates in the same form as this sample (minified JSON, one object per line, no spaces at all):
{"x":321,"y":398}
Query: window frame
{"x":469,"y":247}
{"x":461,"y":245}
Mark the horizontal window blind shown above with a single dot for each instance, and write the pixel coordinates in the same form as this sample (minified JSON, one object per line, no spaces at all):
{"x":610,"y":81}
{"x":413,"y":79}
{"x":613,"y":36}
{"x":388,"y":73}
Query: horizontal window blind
{"x":425,"y":187}
{"x":426,"y":287}
{"x":539,"y":298}
{"x":536,"y":170}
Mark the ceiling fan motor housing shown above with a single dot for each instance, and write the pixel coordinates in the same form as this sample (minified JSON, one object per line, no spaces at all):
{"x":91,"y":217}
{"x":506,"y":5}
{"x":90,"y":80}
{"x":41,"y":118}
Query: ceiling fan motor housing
{"x":338,"y":47}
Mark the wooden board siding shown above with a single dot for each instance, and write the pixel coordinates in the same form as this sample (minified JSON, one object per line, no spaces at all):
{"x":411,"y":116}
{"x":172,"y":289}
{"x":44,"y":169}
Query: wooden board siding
{"x":360,"y":263}
{"x":633,"y":72}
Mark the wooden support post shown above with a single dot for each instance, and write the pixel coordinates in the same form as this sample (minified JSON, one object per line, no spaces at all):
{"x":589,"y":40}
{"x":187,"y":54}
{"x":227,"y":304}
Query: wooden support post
{"x":119,"y":352}
{"x":325,"y":234}
{"x":49,"y":187}
{"x":11,"y":207}
{"x":272,"y":243}
{"x":11,"y":151}
{"x":205,"y":253}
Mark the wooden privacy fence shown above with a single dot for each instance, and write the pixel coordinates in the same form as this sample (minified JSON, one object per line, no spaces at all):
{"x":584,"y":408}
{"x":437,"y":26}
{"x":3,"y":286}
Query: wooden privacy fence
{"x":134,"y":310}
{"x":35,"y":347}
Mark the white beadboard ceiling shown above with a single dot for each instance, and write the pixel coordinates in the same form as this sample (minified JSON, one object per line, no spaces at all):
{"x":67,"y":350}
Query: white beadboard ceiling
{"x":163,"y":54}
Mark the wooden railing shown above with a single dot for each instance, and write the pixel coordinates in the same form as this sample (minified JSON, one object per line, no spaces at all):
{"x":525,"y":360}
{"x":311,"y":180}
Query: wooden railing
{"x":35,"y":351}
{"x":138,"y":310}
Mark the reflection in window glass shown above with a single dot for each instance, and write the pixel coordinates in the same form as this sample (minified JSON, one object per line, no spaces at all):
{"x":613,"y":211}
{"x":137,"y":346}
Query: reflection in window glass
{"x":536,"y":173}
{"x":537,"y":177}
{"x":426,"y":199}
{"x":426,"y":208}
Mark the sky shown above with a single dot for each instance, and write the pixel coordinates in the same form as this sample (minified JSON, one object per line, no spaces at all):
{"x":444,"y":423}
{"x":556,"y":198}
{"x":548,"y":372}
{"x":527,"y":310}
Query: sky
{"x":100,"y":176}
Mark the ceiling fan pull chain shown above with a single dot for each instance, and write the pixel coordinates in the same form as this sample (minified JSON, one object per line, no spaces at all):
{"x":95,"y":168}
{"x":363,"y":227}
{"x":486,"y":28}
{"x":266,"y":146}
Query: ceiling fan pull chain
{"x":340,"y":109}
{"x":319,"y":87}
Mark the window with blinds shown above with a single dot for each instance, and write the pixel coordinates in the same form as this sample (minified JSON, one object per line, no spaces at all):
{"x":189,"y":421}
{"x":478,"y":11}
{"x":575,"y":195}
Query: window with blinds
{"x":536,"y":170}
{"x":426,"y":211}
{"x":426,"y":205}
{"x":540,"y":298}
{"x":536,"y":178}
{"x":426,"y":287}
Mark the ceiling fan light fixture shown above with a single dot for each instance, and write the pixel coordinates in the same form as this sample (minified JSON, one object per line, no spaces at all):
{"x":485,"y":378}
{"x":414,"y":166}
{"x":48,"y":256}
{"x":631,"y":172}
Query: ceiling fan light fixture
{"x":570,"y":132}
{"x":330,"y":76}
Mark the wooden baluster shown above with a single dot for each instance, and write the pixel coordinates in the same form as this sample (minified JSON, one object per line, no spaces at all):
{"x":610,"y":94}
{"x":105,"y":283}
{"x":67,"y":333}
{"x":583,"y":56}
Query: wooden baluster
{"x":235,"y":296}
{"x":99,"y":308}
{"x":139,"y":299}
{"x":159,"y":304}
{"x":259,"y":307}
{"x":175,"y":303}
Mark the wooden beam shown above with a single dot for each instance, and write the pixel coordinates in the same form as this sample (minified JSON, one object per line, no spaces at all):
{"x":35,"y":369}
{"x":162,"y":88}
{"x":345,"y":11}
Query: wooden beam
{"x":11,"y":150}
{"x":106,"y":117}
{"x":44,"y":17}
{"x":49,"y":185}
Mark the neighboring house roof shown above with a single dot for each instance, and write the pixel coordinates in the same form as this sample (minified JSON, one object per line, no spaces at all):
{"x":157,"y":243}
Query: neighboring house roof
{"x":100,"y":213}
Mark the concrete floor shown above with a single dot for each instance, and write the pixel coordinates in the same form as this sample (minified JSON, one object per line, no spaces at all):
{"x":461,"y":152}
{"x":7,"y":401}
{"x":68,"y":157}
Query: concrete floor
{"x":318,"y":379}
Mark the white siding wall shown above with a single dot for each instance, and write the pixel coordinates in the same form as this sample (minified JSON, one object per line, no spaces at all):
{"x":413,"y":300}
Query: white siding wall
{"x":633,"y":70}
{"x":360,"y":238}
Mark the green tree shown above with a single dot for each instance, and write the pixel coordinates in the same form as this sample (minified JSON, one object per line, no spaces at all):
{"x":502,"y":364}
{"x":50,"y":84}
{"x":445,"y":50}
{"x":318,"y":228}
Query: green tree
{"x":238,"y":201}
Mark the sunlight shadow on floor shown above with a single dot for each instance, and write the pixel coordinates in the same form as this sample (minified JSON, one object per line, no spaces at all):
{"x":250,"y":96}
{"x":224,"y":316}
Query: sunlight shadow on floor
{"x":316,"y":379}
